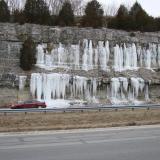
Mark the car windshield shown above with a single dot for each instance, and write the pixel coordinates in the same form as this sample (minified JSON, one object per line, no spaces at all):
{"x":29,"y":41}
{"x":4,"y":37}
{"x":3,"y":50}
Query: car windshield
{"x":31,"y":101}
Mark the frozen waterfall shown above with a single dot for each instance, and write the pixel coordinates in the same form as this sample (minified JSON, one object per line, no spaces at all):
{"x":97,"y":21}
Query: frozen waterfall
{"x":124,"y":90}
{"x":125,"y":58}
{"x":61,"y":86}
{"x":54,"y":86}
{"x":88,"y":55}
{"x":75,"y":56}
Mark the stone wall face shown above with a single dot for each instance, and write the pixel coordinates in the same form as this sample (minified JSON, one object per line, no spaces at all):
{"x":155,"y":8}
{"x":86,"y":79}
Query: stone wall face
{"x":12,"y":37}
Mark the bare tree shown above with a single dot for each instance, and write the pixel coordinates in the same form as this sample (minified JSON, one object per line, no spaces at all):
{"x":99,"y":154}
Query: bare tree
{"x":14,"y":5}
{"x":111,"y":9}
{"x":56,"y":5}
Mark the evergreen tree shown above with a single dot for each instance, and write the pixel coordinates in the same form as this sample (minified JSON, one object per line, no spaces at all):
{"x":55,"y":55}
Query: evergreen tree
{"x":66,"y":15}
{"x":135,"y":19}
{"x":28,"y":55}
{"x":122,"y":18}
{"x":93,"y":15}
{"x":157,"y":21}
{"x":140,"y":18}
{"x":18,"y":16}
{"x":36,"y":11}
{"x":4,"y":12}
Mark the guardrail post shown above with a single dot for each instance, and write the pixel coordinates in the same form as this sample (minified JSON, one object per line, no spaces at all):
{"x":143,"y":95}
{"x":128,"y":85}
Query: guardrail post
{"x":25,"y":113}
{"x":116,"y":109}
{"x":132,"y":109}
{"x":5,"y":114}
{"x":148,"y":108}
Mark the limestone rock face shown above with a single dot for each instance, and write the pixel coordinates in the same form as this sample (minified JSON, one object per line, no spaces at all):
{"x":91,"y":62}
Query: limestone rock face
{"x":12,"y":37}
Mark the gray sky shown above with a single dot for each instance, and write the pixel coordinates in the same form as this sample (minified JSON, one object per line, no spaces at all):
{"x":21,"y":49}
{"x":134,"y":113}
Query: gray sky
{"x":151,"y":6}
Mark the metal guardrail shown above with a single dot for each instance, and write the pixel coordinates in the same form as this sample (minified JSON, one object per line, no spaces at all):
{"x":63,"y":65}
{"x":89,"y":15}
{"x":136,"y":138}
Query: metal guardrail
{"x":82,"y":109}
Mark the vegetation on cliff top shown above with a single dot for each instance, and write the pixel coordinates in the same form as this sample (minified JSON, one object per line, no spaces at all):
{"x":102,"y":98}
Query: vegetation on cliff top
{"x":77,"y":13}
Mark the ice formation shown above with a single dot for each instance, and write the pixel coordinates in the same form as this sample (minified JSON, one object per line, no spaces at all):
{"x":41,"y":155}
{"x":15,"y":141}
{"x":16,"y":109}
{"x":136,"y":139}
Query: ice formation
{"x":61,"y":86}
{"x":88,"y":56}
{"x":70,"y":56}
{"x":125,"y":90}
{"x":54,"y":86}
{"x":22,"y":82}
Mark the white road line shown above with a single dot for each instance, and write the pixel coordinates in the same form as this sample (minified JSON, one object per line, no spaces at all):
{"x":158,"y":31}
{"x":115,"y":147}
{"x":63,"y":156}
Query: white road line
{"x":78,"y":131}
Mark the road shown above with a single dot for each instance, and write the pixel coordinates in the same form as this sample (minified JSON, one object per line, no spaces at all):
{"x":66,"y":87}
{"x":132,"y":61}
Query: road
{"x":130,"y":143}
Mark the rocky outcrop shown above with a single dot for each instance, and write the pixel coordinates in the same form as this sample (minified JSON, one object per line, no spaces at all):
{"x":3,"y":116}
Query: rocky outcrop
{"x":12,"y":37}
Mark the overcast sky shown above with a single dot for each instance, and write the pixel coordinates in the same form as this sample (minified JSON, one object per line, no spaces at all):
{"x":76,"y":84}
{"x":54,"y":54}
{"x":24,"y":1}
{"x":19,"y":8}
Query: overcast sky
{"x":151,"y":6}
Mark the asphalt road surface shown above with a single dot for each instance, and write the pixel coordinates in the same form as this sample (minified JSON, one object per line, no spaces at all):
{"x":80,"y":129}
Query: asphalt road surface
{"x":130,"y":143}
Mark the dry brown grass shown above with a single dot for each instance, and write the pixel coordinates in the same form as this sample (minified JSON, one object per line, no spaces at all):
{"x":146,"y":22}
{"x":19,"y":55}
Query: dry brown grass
{"x":56,"y":121}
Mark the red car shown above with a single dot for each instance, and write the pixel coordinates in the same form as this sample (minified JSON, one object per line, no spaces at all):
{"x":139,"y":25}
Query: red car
{"x":29,"y":104}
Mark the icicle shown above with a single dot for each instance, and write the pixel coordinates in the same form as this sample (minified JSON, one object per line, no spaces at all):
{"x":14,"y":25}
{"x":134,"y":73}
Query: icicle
{"x":158,"y":56}
{"x":148,"y":59}
{"x":96,"y":57}
{"x":22,"y":82}
{"x":90,"y":56}
{"x":85,"y":56}
{"x":115,"y":86}
{"x":118,"y":58}
{"x":134,"y":57}
{"x":40,"y":54}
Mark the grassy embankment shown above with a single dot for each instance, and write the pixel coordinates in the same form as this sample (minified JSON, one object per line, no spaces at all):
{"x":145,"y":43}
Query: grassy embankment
{"x":93,"y":119}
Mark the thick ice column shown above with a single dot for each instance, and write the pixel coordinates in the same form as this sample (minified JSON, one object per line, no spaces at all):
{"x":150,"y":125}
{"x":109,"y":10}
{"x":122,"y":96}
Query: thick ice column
{"x":118,"y":58}
{"x":126,"y":57}
{"x":94,"y":86}
{"x":90,"y":56}
{"x":85,"y":56}
{"x":48,"y":60}
{"x":79,"y":86}
{"x":140,"y":55}
{"x":158,"y":57}
{"x":115,"y":87}
{"x":60,"y":54}
{"x":22,"y":82}
{"x":40,"y":54}
{"x":123,"y":87}
{"x":96,"y":57}
{"x":107,"y":51}
{"x":135,"y":87}
{"x":134,"y":57}
{"x":147,"y":91}
{"x":102,"y":55}
{"x":148,"y":59}
{"x":154,"y":52}
{"x":76,"y":53}
{"x":39,"y":86}
{"x":33,"y":84}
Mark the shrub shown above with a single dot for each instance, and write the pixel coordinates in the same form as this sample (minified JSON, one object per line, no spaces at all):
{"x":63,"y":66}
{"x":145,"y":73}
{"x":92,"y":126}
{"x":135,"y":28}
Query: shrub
{"x":93,"y":15}
{"x":28,"y":55}
{"x":4,"y":12}
{"x":66,"y":15}
{"x":36,"y":11}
